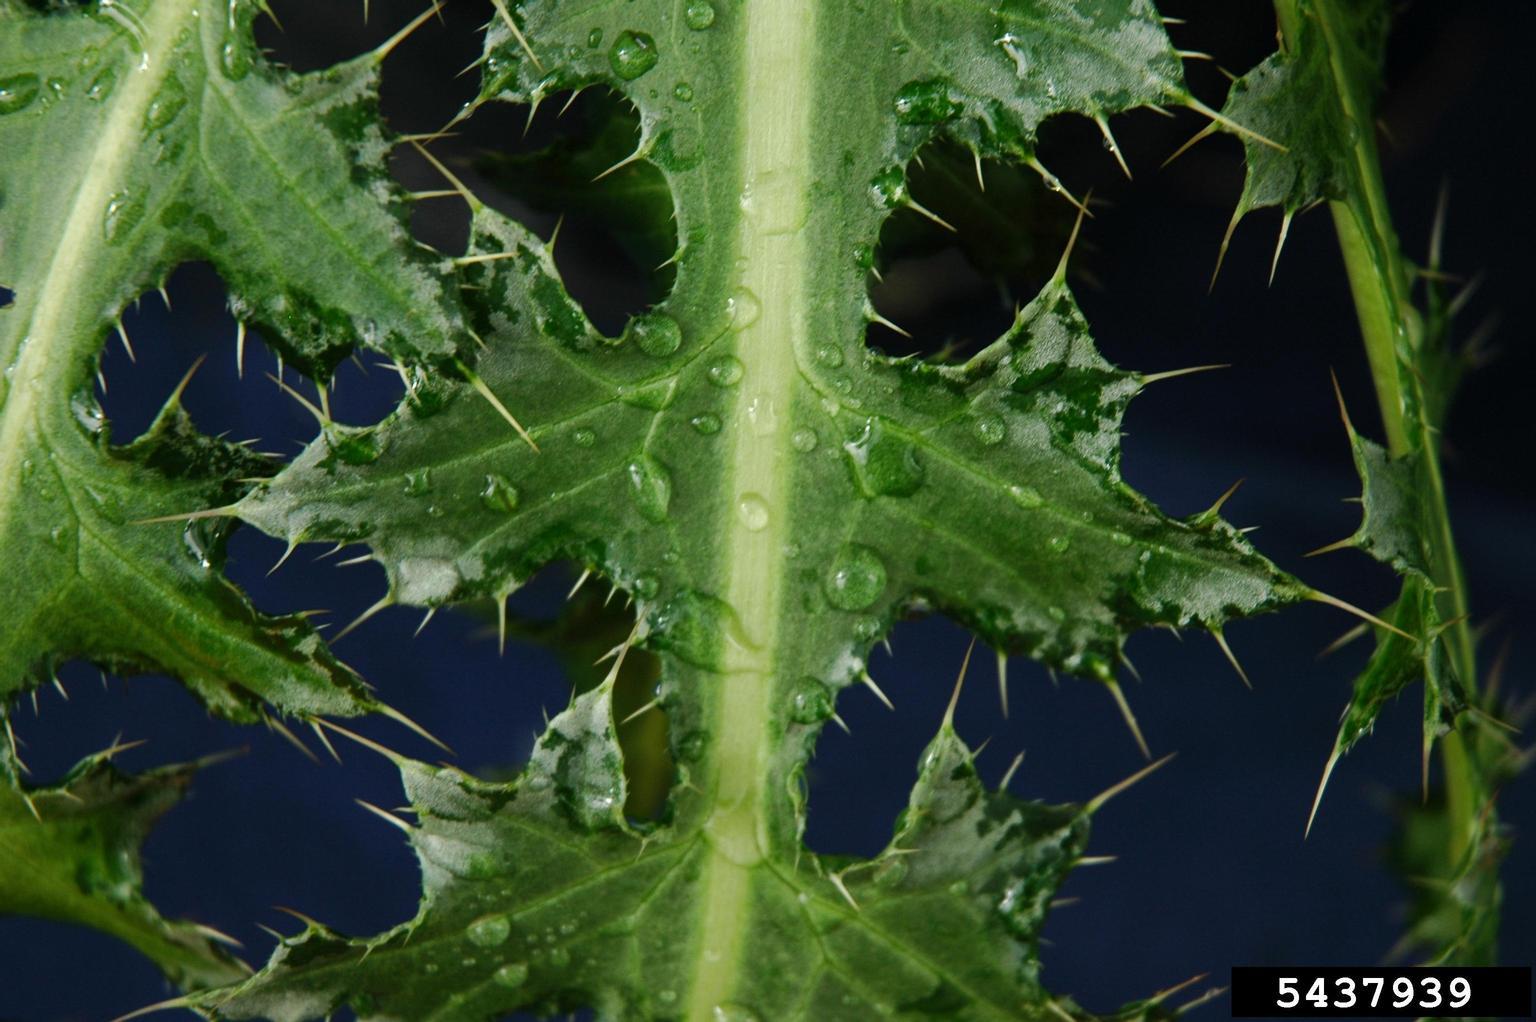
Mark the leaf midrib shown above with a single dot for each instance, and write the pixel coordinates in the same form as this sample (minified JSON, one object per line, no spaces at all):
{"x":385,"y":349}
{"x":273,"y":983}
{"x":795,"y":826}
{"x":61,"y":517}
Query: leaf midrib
{"x":59,"y":319}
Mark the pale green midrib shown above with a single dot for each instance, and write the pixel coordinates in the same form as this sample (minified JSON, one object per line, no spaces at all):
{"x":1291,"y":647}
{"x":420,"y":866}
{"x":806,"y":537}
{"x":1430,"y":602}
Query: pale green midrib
{"x":777,"y":66}
{"x":58,"y":315}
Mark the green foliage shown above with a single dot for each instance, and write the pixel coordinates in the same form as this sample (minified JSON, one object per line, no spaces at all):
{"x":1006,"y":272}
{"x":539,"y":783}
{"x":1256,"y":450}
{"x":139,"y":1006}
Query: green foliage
{"x":1317,"y":98}
{"x":771,"y":493}
{"x":71,"y":853}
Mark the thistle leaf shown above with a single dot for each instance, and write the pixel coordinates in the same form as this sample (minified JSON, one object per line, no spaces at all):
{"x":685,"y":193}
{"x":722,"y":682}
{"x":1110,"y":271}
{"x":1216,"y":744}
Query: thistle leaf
{"x":1318,"y":97}
{"x":135,"y":137}
{"x":71,"y":853}
{"x":537,"y":894}
{"x":772,"y":494}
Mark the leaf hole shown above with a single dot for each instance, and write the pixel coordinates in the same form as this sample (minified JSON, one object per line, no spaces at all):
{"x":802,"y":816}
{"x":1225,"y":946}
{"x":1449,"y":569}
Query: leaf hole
{"x":860,"y":779}
{"x":954,"y":288}
{"x":572,"y":170}
{"x":227,"y":395}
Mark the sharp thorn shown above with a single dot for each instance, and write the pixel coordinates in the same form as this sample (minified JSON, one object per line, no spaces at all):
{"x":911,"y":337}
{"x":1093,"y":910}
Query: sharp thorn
{"x":1097,"y":802}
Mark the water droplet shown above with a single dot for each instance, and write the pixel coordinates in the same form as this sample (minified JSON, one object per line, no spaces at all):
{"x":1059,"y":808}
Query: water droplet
{"x":583,"y":437}
{"x":726,"y":371}
{"x":805,"y":440}
{"x":595,"y":38}
{"x":856,"y":578}
{"x":512,"y":975}
{"x":235,"y":59}
{"x":418,"y":483}
{"x":166,"y":105}
{"x":863,"y":256}
{"x":1056,"y":614}
{"x":489,"y":931}
{"x":810,"y":702}
{"x":57,"y":533}
{"x":1120,"y":538}
{"x":683,"y":91}
{"x":355,"y":447}
{"x":87,"y":411}
{"x":743,"y":308}
{"x":707,"y":423}
{"x":700,"y":15}
{"x":559,"y":957}
{"x":829,"y":355}
{"x":650,"y":486}
{"x":17,"y":92}
{"x":652,"y":397}
{"x":656,"y":334}
{"x":122,"y":214}
{"x":990,"y":429}
{"x":101,"y":86}
{"x":632,"y":55}
{"x":889,"y":188}
{"x":753,"y":512}
{"x":1026,"y":496}
{"x":1058,"y":544}
{"x":733,"y":1013}
{"x":645,"y":586}
{"x":499,"y":494}
{"x":763,"y":416}
{"x":700,"y":629}
{"x":883,"y":466}
{"x":926,"y":102}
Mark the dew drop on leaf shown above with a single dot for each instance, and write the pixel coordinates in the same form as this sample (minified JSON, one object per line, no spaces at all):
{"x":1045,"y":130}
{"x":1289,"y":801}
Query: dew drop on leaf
{"x":595,"y":38}
{"x":499,"y":494}
{"x":122,"y":214}
{"x":101,"y":86}
{"x":990,"y":430}
{"x":700,"y":15}
{"x":489,"y":931}
{"x":753,"y":512}
{"x":889,"y":188}
{"x":700,"y":629}
{"x":359,"y":447}
{"x":1026,"y":496}
{"x":17,"y":92}
{"x":418,"y":483}
{"x":810,"y":702}
{"x":512,"y":975}
{"x":856,"y":578}
{"x":583,"y":437}
{"x":632,"y":54}
{"x":656,"y":334}
{"x":683,"y":91}
{"x":926,"y":102}
{"x":707,"y":423}
{"x":829,"y":355}
{"x":743,"y":308}
{"x":883,"y":466}
{"x":733,"y":1013}
{"x":726,"y":371}
{"x":650,"y":486}
{"x":235,"y":59}
{"x":166,"y":105}
{"x":805,"y":440}
{"x":1058,"y":544}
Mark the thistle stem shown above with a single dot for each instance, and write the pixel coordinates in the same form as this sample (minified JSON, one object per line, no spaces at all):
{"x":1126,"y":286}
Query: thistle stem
{"x":1393,"y":333}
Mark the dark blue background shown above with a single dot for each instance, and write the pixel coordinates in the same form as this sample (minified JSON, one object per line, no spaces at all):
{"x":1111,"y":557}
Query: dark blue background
{"x":1212,"y":869}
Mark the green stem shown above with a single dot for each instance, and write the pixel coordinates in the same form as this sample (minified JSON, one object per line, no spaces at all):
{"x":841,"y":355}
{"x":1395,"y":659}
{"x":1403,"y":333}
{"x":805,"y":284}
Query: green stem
{"x":1393,"y":333}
